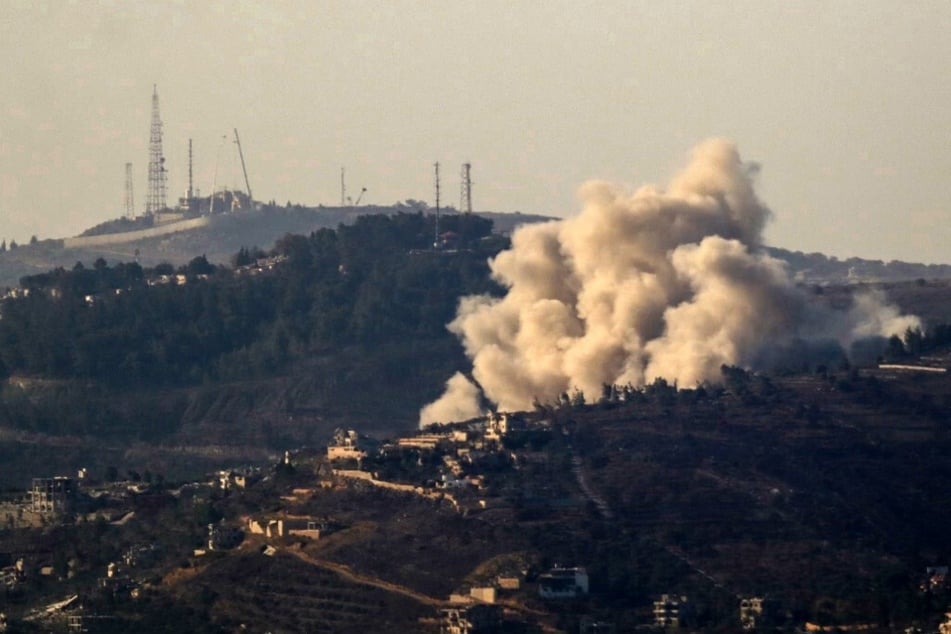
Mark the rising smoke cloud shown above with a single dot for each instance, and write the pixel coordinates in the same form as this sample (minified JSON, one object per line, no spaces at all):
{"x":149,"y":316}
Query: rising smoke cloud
{"x":662,"y":283}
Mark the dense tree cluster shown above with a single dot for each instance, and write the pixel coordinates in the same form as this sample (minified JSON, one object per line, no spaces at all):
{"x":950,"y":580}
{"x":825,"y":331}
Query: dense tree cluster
{"x":378,"y":280}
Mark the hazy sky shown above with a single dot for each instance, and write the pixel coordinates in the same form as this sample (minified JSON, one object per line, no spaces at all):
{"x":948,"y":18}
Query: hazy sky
{"x":847,"y":106}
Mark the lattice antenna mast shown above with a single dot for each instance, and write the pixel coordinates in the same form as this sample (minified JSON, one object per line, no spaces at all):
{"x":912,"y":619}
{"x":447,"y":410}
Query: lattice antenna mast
{"x":129,"y":197}
{"x":465,"y":196}
{"x":191,"y":191}
{"x":155,"y":202}
{"x":436,"y":235}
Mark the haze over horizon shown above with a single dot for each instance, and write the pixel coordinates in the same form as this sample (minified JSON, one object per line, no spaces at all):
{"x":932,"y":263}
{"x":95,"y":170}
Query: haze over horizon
{"x":843,"y":104}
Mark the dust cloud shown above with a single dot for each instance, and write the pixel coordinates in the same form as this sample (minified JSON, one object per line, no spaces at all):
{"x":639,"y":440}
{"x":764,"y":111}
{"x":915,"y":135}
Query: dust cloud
{"x":660,"y":283}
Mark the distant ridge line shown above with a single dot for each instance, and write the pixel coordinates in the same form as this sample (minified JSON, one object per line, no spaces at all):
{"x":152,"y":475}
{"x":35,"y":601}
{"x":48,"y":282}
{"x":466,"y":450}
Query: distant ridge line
{"x":138,"y":234}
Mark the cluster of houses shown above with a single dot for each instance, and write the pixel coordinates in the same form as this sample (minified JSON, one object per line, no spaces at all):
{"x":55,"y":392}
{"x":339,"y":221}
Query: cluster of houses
{"x":461,"y":446}
{"x":261,"y":265}
{"x":475,"y":609}
{"x":478,"y":609}
{"x":258,"y":267}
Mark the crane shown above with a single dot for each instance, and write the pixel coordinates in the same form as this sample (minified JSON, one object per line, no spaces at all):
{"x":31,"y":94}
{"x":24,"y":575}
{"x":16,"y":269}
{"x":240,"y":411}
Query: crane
{"x":360,"y":197}
{"x":243,"y":168}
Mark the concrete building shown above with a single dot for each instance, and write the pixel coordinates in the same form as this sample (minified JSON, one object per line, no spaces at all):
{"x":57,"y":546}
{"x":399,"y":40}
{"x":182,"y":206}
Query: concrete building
{"x":499,"y":424}
{"x":563,"y":583}
{"x":509,"y":582}
{"x":296,"y":527}
{"x":483,"y":594}
{"x":670,"y":610}
{"x":471,"y":619}
{"x":346,"y":446}
{"x":222,"y":537}
{"x":53,"y":496}
{"x":752,"y":610}
{"x":288,"y":527}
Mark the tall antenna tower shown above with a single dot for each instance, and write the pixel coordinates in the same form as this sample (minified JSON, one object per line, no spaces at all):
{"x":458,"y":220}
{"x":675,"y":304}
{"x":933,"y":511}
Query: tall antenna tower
{"x":465,"y":196}
{"x":155,"y":201}
{"x":191,"y":191}
{"x":129,"y":198}
{"x":436,"y":234}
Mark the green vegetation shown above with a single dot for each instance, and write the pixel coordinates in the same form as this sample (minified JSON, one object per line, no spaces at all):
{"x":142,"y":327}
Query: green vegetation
{"x":360,"y":285}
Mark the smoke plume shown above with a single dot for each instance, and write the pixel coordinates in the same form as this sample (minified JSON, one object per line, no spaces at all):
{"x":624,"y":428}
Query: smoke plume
{"x":662,"y":283}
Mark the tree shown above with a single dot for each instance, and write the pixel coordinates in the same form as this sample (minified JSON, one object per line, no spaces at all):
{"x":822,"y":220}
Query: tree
{"x":577,"y":398}
{"x":33,"y":239}
{"x":199,"y":266}
{"x":164,"y":269}
{"x":895,"y":349}
{"x":913,"y":339}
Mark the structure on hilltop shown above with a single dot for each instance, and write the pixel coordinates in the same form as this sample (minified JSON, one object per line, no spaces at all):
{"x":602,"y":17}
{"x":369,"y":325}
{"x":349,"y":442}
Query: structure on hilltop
{"x":155,"y":201}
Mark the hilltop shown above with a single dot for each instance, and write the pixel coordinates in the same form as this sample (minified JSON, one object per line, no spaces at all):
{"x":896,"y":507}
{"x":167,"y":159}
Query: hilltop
{"x":224,"y":235}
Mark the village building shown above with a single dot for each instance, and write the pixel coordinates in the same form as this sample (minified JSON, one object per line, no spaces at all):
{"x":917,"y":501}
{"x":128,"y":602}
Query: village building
{"x":508,"y":582}
{"x":53,"y":496}
{"x":240,"y":478}
{"x":425,"y":442}
{"x":288,"y":527}
{"x":221,"y":537}
{"x":499,"y":424}
{"x":753,"y":610}
{"x":563,"y":583}
{"x":471,"y":619}
{"x":936,"y":579}
{"x":347,"y":445}
{"x":483,"y":594}
{"x":670,"y":610}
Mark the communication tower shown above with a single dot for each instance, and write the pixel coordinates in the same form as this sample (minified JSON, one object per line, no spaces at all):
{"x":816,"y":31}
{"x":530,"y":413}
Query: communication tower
{"x":436,"y":178}
{"x":155,"y":201}
{"x":465,"y":196}
{"x":191,"y":191}
{"x":129,"y":198}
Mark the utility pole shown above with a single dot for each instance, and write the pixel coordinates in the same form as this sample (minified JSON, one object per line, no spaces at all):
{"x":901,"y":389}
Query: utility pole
{"x":155,"y":202}
{"x":343,"y":187}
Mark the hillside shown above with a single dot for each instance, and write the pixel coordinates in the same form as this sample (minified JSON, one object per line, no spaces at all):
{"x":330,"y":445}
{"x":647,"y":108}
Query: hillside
{"x":820,"y":487}
{"x":225,"y":236}
{"x":340,"y":325}
{"x":342,"y":328}
{"x":824,"y":493}
{"x":227,"y":233}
